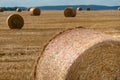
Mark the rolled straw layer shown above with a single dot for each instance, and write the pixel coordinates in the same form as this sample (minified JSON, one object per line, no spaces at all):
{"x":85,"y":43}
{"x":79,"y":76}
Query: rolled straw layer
{"x":80,"y":54}
{"x":15,"y":21}
{"x":69,"y":12}
{"x":35,"y":11}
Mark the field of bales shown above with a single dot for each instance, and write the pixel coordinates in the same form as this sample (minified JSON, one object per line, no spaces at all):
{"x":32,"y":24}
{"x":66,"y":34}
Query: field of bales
{"x":20,"y":49}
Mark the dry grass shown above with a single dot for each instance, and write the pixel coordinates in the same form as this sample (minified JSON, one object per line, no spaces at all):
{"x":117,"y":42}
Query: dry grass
{"x":105,"y":20}
{"x":19,"y":51}
{"x":37,"y":31}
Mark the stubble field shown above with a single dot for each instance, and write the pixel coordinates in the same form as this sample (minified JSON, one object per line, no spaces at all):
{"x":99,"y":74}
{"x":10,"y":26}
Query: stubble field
{"x":20,"y":49}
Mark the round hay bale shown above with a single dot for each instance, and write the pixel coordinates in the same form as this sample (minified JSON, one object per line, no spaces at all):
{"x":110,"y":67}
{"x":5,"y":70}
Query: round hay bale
{"x":80,"y":54}
{"x":1,"y":10}
{"x":35,"y":11}
{"x":119,"y":8}
{"x":88,"y":9}
{"x":15,"y":21}
{"x":19,"y":10}
{"x":28,"y":9}
{"x":79,"y":9}
{"x":69,"y":12}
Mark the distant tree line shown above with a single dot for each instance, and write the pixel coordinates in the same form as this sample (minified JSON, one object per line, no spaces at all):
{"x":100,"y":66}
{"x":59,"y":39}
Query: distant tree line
{"x":93,"y":7}
{"x":13,"y":8}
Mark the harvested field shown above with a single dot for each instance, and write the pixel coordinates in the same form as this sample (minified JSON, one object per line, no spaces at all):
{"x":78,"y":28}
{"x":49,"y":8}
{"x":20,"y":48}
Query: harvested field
{"x":19,"y":49}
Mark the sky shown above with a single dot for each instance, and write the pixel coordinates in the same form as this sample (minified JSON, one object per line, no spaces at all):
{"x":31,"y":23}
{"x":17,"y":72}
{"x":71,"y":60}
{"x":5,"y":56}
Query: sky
{"x":29,"y":3}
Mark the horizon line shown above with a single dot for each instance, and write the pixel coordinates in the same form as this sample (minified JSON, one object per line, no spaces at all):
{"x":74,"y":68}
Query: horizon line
{"x":63,"y":5}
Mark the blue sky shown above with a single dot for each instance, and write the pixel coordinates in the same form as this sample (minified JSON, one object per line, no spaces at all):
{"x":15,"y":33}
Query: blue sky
{"x":28,"y":3}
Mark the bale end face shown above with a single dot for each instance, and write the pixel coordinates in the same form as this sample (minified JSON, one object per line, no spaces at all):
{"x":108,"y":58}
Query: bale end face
{"x":69,"y":12}
{"x":35,"y":11}
{"x":15,"y":21}
{"x":100,"y":62}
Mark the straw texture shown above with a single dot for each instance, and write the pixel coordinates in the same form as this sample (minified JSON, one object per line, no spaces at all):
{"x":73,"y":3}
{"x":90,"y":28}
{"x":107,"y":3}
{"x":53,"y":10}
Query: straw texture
{"x":69,"y":12}
{"x":17,"y":62}
{"x":15,"y":21}
{"x":80,"y":54}
{"x":35,"y":11}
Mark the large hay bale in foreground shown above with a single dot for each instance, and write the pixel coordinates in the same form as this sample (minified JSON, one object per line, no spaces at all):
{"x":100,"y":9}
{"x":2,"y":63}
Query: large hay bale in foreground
{"x":1,"y":10}
{"x":15,"y":21}
{"x":88,"y":9}
{"x":69,"y":12}
{"x":19,"y":10}
{"x":35,"y":11}
{"x":79,"y":9}
{"x":80,"y":54}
